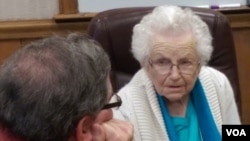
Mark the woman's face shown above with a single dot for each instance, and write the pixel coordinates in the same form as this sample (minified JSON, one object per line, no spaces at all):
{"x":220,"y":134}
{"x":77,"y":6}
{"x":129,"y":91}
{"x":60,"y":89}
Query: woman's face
{"x":170,"y":80}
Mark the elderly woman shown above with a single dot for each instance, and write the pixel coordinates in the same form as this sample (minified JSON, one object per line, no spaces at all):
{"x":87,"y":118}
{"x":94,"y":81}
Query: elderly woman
{"x":175,"y":96}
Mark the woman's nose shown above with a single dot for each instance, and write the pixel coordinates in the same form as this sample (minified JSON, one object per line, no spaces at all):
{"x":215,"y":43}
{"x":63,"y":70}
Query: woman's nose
{"x":175,"y":72}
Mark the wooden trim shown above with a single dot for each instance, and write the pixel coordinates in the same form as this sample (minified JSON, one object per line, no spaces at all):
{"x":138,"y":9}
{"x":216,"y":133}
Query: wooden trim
{"x":69,"y":12}
{"x":68,"y":7}
{"x":74,"y":17}
{"x":38,"y":28}
{"x":239,"y":20}
{"x":235,"y":10}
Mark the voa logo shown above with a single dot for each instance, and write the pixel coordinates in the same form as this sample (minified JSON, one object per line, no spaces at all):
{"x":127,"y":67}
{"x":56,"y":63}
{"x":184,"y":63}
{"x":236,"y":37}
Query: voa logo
{"x":236,"y":132}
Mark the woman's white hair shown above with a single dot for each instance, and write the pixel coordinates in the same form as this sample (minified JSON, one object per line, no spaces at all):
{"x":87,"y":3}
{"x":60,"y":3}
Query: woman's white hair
{"x":170,"y":19}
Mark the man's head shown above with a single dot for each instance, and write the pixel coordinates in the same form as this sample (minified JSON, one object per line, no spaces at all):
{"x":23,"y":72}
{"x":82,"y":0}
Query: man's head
{"x":48,"y":86}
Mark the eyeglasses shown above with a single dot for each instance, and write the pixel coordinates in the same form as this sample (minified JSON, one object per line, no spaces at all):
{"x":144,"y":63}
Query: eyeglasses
{"x":115,"y":102}
{"x":164,"y":66}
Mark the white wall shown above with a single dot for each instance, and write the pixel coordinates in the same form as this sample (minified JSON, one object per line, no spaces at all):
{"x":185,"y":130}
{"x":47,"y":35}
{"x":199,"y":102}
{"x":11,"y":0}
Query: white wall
{"x":100,"y":5}
{"x":28,"y":9}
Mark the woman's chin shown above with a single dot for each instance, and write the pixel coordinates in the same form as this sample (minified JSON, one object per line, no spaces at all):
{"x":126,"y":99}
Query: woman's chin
{"x":175,"y":97}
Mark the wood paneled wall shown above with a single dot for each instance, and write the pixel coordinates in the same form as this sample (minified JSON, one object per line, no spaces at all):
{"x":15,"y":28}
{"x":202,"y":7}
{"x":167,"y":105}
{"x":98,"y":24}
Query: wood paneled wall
{"x":242,"y":41}
{"x":14,"y":35}
{"x":240,"y":23}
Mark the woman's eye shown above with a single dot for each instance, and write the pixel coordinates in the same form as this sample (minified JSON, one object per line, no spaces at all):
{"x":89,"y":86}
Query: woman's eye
{"x":185,"y":62}
{"x":163,"y":62}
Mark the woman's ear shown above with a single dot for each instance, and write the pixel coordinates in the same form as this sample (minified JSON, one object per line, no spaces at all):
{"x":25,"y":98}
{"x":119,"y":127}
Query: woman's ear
{"x":83,"y":130}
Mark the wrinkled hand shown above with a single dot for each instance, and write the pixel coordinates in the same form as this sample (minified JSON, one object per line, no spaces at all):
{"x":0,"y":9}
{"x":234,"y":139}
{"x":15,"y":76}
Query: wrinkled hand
{"x":113,"y":130}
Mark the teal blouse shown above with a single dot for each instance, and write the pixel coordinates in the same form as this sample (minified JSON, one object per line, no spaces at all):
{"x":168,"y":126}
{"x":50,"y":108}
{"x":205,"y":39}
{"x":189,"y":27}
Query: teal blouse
{"x":187,"y":128}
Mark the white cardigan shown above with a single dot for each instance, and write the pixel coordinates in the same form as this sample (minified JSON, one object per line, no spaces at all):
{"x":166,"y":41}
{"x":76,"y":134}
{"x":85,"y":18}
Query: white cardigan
{"x":140,"y":105}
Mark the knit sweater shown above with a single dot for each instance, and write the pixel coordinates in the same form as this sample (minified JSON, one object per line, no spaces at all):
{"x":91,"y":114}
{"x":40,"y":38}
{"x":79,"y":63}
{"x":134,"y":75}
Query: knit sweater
{"x":140,"y":105}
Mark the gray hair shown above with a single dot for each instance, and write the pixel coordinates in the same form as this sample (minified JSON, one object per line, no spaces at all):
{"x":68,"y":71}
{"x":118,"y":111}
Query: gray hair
{"x":170,"y":19}
{"x":50,"y":84}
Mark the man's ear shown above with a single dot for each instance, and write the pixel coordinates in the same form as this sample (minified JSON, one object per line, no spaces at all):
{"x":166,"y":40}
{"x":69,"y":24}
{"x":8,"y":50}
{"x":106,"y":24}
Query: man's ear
{"x":83,"y":130}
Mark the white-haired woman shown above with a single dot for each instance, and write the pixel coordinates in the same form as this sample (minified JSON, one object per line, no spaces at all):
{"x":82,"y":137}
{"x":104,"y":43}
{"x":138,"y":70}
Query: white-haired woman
{"x":175,"y":96}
